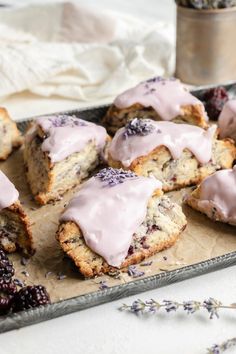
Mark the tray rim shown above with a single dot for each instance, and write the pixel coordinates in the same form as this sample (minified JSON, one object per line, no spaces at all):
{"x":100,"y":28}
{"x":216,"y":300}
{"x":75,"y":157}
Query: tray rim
{"x":77,"y":303}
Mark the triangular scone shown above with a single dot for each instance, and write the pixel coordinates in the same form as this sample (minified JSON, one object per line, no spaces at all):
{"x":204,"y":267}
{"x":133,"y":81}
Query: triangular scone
{"x":10,"y":136}
{"x":216,"y":196}
{"x":112,"y":235}
{"x":15,"y":230}
{"x":157,"y":99}
{"x":59,"y":152}
{"x":178,"y":155}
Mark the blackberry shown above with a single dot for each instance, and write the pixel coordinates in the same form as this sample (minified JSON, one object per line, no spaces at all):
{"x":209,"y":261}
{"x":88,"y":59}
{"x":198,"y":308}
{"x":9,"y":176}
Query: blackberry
{"x":30,"y":297}
{"x":6,"y":267}
{"x":214,"y":101}
{"x":7,"y":292}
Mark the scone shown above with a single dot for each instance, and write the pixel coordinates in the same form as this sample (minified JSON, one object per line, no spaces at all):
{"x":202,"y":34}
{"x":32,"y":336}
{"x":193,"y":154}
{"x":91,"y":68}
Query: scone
{"x":227,"y":120}
{"x":216,"y":196}
{"x":158,"y":99}
{"x":14,"y":225}
{"x":10,"y":137}
{"x":118,"y":219}
{"x":178,"y":155}
{"x":59,"y":152}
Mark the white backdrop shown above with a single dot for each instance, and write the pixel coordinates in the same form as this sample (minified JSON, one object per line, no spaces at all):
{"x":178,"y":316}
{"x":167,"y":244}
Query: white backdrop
{"x":104,"y":329}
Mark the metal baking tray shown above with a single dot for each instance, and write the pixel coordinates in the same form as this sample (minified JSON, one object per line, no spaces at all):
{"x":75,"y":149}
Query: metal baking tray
{"x":14,"y":321}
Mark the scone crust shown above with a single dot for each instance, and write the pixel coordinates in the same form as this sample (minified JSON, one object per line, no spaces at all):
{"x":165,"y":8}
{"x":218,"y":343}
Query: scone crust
{"x":224,"y":153}
{"x":26,"y":242}
{"x":15,"y":139}
{"x":116,"y":118}
{"x":90,"y":264}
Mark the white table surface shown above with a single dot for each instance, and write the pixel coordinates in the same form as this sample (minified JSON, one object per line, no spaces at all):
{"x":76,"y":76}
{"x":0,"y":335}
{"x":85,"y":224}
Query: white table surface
{"x":104,"y":329}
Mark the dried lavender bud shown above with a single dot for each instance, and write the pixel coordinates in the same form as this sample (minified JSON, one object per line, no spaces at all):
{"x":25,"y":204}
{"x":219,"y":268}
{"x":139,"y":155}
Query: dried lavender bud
{"x":103,"y":285}
{"x":30,"y":297}
{"x":63,"y":120}
{"x":7,"y":291}
{"x":212,"y":306}
{"x":220,"y":348}
{"x":18,"y":282}
{"x":170,"y":305}
{"x":134,"y":272}
{"x":47,"y":274}
{"x":113,"y":176}
{"x":6,"y":267}
{"x":191,"y":306}
{"x":139,"y":127}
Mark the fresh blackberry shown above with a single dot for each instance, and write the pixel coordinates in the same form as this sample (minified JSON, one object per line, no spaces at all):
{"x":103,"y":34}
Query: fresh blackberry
{"x":214,"y":101}
{"x":6,"y":267}
{"x":7,"y":292}
{"x":30,"y":297}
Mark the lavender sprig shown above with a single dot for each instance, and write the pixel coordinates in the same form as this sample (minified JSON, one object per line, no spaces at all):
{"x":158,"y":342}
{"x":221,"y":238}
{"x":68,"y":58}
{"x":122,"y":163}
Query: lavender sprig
{"x":63,"y":120}
{"x":113,"y":176}
{"x":211,"y":305}
{"x":220,"y":348}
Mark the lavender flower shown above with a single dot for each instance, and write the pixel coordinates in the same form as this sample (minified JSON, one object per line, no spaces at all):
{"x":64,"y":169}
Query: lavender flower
{"x":113,"y":176}
{"x":170,"y":305}
{"x":134,"y":272}
{"x":24,"y":261}
{"x":25,"y":273}
{"x":138,"y":126}
{"x":63,"y":120}
{"x":60,"y":276}
{"x":103,"y":285}
{"x":191,"y":306}
{"x":220,"y":348}
{"x":212,"y":306}
{"x":19,"y":282}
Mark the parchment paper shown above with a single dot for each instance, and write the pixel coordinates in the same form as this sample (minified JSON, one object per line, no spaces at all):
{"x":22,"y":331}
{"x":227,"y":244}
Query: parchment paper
{"x":203,"y":239}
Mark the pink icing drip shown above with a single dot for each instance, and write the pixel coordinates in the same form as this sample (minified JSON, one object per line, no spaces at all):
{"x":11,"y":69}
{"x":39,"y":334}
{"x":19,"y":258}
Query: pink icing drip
{"x":219,"y":191}
{"x":227,"y":120}
{"x":176,"y":137}
{"x":165,"y":96}
{"x":8,"y":192}
{"x":63,"y":141}
{"x":109,"y":216}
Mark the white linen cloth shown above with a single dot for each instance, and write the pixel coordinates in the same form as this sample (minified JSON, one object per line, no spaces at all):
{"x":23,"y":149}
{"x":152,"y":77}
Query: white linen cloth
{"x":74,"y":52}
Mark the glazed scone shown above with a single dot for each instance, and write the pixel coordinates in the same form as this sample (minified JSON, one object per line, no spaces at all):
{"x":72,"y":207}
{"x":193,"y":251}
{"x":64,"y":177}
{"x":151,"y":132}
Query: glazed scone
{"x":59,"y":152}
{"x":118,"y":219}
{"x":177,"y":155}
{"x":227,"y":120}
{"x":158,"y":99}
{"x":10,"y":136}
{"x":216,"y":196}
{"x":15,"y":230}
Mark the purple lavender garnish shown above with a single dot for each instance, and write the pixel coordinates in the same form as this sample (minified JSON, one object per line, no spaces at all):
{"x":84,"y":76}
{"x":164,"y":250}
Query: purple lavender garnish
{"x":103,"y":285}
{"x":19,"y":282}
{"x":159,"y":79}
{"x":63,"y":120}
{"x":212,"y":306}
{"x":24,"y":261}
{"x":24,"y":272}
{"x":220,"y":348}
{"x":170,"y":305}
{"x":134,"y":272}
{"x":139,"y":127}
{"x":191,"y":306}
{"x":113,"y":176}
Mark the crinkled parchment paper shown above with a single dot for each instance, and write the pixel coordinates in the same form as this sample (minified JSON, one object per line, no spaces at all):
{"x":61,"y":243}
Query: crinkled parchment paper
{"x":202,"y":240}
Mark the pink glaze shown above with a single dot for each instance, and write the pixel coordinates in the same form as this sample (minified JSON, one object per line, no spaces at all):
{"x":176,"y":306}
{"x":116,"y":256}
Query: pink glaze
{"x":109,"y":215}
{"x":219,"y":191}
{"x":8,"y":192}
{"x":227,"y":120}
{"x":176,"y":137}
{"x":62,"y":141}
{"x":165,"y":96}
